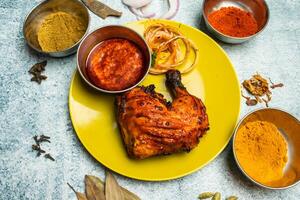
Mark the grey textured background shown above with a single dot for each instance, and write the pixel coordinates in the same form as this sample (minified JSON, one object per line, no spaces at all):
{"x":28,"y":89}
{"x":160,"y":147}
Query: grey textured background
{"x":28,"y":108}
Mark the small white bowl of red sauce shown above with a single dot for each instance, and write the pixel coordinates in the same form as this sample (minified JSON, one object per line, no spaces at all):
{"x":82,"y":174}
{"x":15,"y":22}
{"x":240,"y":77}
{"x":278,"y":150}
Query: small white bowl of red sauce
{"x":113,"y":59}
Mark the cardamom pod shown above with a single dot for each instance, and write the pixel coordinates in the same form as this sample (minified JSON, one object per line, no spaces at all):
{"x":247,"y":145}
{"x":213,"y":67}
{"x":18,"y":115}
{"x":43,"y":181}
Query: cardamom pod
{"x":217,"y":196}
{"x":232,"y":198}
{"x":206,"y":195}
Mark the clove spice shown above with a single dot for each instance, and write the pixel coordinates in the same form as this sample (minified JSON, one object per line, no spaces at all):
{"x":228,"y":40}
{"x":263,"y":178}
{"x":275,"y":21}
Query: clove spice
{"x":273,"y":86}
{"x":37,"y":146}
{"x":249,"y":101}
{"x":36,"y":71}
{"x":38,"y":149}
{"x":48,"y":156}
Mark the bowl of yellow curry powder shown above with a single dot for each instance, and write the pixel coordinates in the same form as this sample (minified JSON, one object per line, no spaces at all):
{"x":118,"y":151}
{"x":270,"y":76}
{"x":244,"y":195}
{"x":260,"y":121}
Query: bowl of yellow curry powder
{"x":56,"y":27}
{"x":266,"y":147}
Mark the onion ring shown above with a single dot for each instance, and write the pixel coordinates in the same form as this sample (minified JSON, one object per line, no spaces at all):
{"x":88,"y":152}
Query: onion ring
{"x":136,"y":3}
{"x":138,"y":13}
{"x":163,"y":41}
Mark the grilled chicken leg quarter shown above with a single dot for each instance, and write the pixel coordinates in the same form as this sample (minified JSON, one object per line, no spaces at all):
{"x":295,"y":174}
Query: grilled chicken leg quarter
{"x":152,"y":126}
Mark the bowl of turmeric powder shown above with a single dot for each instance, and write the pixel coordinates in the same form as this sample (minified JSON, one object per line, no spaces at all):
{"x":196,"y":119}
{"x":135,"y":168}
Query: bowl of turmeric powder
{"x":266,"y":147}
{"x":56,"y":27}
{"x":235,"y":21}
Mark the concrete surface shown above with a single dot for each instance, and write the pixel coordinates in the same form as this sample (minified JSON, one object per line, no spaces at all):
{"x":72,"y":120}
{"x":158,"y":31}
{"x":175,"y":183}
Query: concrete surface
{"x":28,"y":108}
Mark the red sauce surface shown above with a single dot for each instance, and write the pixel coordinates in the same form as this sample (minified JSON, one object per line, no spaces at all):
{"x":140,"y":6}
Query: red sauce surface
{"x":115,"y":64}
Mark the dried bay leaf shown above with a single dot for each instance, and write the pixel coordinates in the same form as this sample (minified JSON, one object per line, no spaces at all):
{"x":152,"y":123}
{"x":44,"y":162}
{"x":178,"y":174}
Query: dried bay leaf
{"x":129,"y":195}
{"x":79,"y":195}
{"x":94,"y":188}
{"x":112,"y":189}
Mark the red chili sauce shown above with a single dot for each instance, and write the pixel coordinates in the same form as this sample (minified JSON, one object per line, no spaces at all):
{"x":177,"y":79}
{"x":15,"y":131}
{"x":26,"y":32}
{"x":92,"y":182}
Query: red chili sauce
{"x":115,"y":64}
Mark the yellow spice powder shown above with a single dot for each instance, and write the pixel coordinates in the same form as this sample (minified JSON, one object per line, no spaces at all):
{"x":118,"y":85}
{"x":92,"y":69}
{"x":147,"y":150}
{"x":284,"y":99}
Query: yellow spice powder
{"x":59,"y":31}
{"x":261,"y":150}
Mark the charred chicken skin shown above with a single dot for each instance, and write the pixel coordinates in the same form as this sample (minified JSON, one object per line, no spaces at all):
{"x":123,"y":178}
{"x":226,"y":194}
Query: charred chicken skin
{"x":152,"y":126}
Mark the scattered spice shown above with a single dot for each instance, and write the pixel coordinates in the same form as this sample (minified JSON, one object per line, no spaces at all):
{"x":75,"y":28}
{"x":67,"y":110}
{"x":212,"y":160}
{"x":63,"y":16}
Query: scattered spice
{"x":36,"y":70}
{"x":206,"y":195}
{"x":37,"y":146}
{"x":259,"y":88}
{"x":273,"y":86}
{"x":249,"y":101}
{"x":233,"y":21}
{"x":214,"y":196}
{"x":47,"y":155}
{"x":95,"y":189}
{"x":232,"y":198}
{"x":257,"y":85}
{"x":217,"y":196}
{"x":266,"y":102}
{"x":259,"y":146}
{"x":38,"y":149}
{"x":258,"y":99}
{"x":41,"y":139}
{"x":277,"y":85}
{"x":60,"y":31}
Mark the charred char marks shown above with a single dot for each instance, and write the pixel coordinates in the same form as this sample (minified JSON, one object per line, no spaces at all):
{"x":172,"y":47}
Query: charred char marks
{"x":174,"y":79}
{"x":173,"y":75}
{"x":141,"y":103}
{"x":200,"y":120}
{"x":130,"y":108}
{"x":149,"y":89}
{"x":195,"y":106}
{"x":158,"y":108}
{"x":169,"y":104}
{"x":120,"y":102}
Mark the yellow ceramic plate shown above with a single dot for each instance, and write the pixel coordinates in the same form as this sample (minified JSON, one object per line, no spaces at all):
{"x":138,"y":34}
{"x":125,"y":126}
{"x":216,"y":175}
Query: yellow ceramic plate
{"x":213,"y":80}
